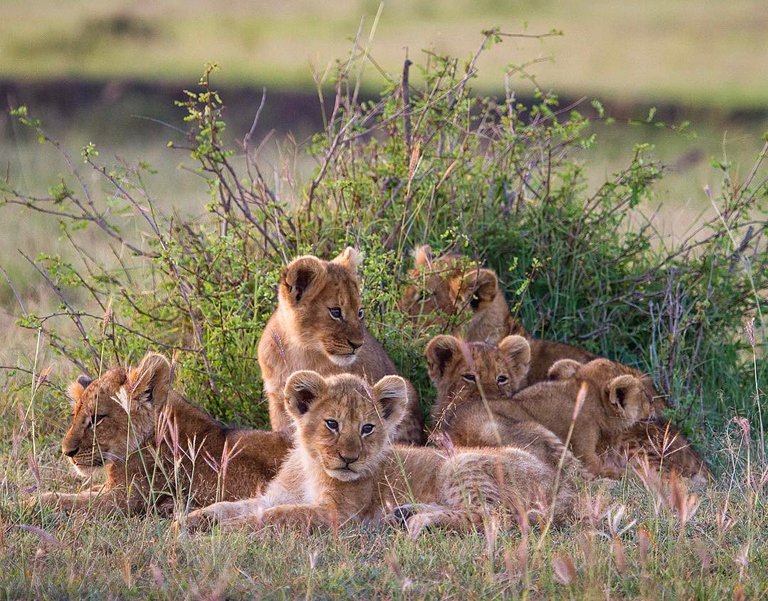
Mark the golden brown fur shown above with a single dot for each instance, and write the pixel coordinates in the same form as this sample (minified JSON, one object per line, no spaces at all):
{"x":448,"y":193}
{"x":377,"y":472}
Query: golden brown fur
{"x":455,"y":293}
{"x":467,"y":375}
{"x":657,"y":439}
{"x":471,"y":410}
{"x":654,"y":439}
{"x":467,"y":299}
{"x":318,"y":325}
{"x":344,"y":468}
{"x":142,"y":432}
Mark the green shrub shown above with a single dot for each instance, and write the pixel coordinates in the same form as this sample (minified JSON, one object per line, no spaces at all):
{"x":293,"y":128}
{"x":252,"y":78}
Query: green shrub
{"x":490,"y":178}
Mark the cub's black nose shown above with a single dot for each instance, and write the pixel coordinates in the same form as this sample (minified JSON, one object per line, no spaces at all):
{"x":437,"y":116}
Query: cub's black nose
{"x":70,"y":452}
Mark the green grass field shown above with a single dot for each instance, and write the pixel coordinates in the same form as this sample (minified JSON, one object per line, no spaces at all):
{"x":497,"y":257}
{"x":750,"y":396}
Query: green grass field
{"x":686,"y":52}
{"x":639,"y":538}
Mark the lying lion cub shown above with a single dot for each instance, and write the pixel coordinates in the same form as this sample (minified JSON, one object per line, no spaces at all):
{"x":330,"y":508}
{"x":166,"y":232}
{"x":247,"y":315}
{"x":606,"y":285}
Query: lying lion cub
{"x":466,"y":375}
{"x":156,"y":446}
{"x":473,"y":408}
{"x":455,"y":290}
{"x":344,"y":468}
{"x":319,"y":325}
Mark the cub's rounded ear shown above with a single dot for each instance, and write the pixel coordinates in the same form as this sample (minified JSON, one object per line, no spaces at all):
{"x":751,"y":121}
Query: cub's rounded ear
{"x":301,"y":390}
{"x":150,"y":382}
{"x":299,"y":276}
{"x":480,"y":287}
{"x":621,"y":388}
{"x":516,"y":350}
{"x":77,"y":388}
{"x":350,"y":258}
{"x":423,"y":257}
{"x":564,"y":369}
{"x":391,"y":395}
{"x":442,"y":352}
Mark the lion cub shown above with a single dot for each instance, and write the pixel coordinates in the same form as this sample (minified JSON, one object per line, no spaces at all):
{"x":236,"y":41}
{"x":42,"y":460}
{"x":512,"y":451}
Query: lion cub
{"x":456,"y":291}
{"x":319,"y":325}
{"x":655,"y":439}
{"x":615,"y":398}
{"x":451,"y":289}
{"x":156,"y":446}
{"x":344,"y":468}
{"x":469,"y":374}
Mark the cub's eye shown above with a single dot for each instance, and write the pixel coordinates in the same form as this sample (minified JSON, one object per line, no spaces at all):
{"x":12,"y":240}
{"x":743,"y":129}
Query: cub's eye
{"x":474,"y":302}
{"x":366,"y":429}
{"x":335,"y":312}
{"x":332,"y":425}
{"x":360,"y":313}
{"x":469,"y":377}
{"x":95,"y":420}
{"x":502,"y":379}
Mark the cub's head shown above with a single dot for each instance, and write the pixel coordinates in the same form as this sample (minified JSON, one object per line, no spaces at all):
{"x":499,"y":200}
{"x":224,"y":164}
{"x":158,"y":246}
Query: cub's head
{"x":465,"y":371}
{"x":627,"y":394}
{"x":321,"y":299}
{"x":342,"y":423}
{"x":451,"y":290}
{"x":114,"y":414}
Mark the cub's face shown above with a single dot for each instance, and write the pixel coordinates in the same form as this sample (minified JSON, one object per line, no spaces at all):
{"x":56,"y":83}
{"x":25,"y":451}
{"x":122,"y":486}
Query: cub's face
{"x":113,"y":415}
{"x":99,"y":428}
{"x":465,"y":371}
{"x":447,"y":291}
{"x":322,"y":301}
{"x":344,"y":424}
{"x":431,"y":296}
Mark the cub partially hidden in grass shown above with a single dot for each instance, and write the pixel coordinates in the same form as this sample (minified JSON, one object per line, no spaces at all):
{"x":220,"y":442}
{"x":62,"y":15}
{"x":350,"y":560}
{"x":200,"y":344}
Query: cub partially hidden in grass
{"x":345,"y":468}
{"x":467,"y":375}
{"x":472,"y":406}
{"x":156,"y":447}
{"x":455,"y":290}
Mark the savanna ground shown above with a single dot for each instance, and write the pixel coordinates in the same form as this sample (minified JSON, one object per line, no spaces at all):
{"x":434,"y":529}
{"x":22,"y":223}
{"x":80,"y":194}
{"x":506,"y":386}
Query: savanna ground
{"x":513,"y":188}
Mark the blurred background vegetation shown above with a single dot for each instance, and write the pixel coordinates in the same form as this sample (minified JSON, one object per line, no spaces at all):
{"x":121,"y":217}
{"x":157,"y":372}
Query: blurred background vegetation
{"x":108,"y":73}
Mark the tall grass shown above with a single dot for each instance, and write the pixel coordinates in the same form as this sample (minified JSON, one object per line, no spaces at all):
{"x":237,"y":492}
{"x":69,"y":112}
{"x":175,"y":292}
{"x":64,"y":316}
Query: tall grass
{"x":434,"y":164}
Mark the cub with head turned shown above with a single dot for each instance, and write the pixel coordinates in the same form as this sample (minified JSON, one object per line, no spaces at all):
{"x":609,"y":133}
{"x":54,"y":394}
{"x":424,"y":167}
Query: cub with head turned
{"x":319,"y":325}
{"x":455,"y":290}
{"x":156,"y":447}
{"x":472,"y":407}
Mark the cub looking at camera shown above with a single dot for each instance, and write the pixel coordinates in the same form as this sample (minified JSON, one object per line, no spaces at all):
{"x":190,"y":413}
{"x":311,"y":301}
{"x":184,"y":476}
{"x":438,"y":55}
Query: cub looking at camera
{"x":344,"y":468}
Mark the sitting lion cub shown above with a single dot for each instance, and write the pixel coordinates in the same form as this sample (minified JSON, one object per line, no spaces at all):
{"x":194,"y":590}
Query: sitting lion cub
{"x":156,"y":446}
{"x":319,"y":325}
{"x":344,"y":468}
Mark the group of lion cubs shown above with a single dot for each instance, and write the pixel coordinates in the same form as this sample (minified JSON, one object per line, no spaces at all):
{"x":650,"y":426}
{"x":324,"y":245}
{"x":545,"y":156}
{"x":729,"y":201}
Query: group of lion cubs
{"x":347,"y":430}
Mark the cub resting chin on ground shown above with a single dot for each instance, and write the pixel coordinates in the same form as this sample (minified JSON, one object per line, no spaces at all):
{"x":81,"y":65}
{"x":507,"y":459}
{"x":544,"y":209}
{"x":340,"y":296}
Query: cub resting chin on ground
{"x":344,"y":468}
{"x":319,"y":325}
{"x":473,"y":407}
{"x":145,"y":434}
